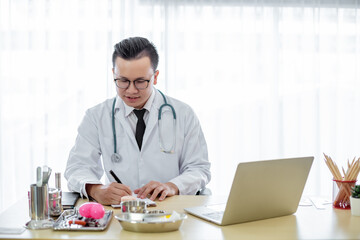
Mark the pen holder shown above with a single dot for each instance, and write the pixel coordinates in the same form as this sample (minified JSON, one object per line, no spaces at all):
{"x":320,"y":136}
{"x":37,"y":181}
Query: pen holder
{"x":39,"y":202}
{"x":39,"y":207}
{"x":342,"y":193}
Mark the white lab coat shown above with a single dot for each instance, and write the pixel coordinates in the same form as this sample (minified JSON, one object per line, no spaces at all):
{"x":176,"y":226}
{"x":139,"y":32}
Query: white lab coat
{"x":188,"y":168}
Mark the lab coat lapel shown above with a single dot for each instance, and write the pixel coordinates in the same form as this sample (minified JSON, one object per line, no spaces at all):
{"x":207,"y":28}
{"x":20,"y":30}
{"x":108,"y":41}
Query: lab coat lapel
{"x":120,"y":116}
{"x":153,"y":117}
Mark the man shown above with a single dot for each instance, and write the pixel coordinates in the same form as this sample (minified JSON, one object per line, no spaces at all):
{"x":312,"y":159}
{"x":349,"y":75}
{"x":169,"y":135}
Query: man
{"x":116,"y":128}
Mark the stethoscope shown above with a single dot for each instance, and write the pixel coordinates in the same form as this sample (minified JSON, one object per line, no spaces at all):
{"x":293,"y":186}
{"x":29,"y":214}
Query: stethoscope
{"x":115,"y":157}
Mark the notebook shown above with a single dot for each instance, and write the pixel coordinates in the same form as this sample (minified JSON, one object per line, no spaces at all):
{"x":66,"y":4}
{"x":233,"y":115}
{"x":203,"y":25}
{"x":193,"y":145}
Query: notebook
{"x":69,"y":199}
{"x":260,"y":190}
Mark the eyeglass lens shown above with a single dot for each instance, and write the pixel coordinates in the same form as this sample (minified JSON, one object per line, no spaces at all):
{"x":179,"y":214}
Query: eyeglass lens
{"x":139,"y":84}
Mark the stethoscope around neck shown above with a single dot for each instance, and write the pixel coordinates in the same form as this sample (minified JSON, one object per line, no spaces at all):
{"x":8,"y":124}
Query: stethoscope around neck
{"x":115,"y":157}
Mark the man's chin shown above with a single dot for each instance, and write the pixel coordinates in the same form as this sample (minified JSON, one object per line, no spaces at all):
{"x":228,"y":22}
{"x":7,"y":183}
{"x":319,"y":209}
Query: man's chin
{"x":133,"y":104}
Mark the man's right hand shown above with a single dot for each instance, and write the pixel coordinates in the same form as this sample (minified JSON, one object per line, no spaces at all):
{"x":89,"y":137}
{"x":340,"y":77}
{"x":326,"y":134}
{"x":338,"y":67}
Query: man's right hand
{"x":108,"y":194}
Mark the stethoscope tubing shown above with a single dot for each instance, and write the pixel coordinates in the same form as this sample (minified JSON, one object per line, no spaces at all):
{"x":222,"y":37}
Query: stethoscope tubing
{"x":113,"y":124}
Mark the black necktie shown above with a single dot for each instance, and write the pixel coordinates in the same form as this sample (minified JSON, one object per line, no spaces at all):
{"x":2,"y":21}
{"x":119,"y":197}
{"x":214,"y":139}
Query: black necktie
{"x":140,"y":126}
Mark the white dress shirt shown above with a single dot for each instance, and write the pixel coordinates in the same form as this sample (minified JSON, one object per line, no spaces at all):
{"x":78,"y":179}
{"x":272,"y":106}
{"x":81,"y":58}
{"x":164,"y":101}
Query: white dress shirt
{"x":129,"y":111}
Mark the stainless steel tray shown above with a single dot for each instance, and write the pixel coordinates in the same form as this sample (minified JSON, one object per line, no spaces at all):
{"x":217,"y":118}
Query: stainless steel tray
{"x":139,"y":222}
{"x":62,"y":223}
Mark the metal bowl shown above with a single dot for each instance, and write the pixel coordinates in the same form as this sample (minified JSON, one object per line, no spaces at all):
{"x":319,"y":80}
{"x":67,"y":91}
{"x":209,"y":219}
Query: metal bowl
{"x":138,"y":222}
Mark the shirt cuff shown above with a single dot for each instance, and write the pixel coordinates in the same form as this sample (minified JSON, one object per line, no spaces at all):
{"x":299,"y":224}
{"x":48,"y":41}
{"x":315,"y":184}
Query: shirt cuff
{"x":83,"y":192}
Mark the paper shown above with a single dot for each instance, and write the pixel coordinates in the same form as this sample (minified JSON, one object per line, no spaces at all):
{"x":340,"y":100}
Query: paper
{"x":319,"y":203}
{"x":305,"y":202}
{"x":149,"y":203}
{"x":174,"y":216}
{"x":6,"y":230}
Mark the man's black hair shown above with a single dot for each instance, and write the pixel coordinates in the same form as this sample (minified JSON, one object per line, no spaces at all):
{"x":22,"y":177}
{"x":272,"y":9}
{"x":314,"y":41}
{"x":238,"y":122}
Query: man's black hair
{"x":135,"y":48}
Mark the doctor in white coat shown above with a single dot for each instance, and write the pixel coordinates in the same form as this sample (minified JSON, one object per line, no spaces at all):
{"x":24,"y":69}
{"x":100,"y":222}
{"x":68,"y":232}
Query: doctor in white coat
{"x":172,"y":157}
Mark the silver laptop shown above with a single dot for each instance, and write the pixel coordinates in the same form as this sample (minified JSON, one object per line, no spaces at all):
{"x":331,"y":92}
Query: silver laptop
{"x":260,"y":190}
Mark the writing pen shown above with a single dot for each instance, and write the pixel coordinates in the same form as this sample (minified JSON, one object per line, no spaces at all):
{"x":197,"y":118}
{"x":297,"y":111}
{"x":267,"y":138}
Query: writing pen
{"x":114,"y":176}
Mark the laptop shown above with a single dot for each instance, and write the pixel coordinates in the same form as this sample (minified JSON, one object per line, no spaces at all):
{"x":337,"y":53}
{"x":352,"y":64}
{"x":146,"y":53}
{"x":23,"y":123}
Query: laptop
{"x":260,"y":190}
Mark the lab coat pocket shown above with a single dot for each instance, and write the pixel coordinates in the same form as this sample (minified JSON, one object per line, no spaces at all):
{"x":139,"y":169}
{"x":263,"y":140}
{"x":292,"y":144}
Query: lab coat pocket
{"x":169,"y":159}
{"x":170,"y":162}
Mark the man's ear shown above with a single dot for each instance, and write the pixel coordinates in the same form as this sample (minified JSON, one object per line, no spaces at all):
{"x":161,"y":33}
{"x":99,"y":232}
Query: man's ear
{"x":156,"y":76}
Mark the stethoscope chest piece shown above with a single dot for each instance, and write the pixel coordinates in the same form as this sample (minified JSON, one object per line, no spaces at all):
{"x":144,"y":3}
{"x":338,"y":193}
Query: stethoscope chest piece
{"x":115,"y":157}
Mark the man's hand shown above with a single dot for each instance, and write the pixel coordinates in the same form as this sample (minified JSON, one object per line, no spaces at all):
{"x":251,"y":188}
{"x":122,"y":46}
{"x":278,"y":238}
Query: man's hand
{"x":155,"y":188}
{"x":108,"y":194}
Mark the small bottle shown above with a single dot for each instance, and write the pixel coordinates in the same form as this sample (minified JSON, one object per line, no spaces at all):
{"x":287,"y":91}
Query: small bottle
{"x":58,"y":180}
{"x":55,"y":195}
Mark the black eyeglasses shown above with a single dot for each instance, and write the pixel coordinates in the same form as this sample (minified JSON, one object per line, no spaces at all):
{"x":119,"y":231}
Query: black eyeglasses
{"x":140,"y":84}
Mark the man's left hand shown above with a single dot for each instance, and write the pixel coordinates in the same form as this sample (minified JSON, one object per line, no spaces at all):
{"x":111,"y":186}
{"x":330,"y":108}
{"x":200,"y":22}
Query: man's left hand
{"x":155,"y":188}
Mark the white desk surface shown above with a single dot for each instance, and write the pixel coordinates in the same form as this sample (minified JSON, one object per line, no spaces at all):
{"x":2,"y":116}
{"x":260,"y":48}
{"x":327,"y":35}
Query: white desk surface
{"x":306,"y":223}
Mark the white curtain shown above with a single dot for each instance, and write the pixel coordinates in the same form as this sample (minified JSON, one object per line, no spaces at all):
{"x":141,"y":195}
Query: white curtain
{"x":267,"y":79}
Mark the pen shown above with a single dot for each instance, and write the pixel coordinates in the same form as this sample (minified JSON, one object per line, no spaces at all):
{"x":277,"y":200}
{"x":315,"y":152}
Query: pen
{"x":115,"y":177}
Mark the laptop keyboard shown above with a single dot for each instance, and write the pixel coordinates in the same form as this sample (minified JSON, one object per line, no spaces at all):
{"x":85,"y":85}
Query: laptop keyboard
{"x":215,"y":215}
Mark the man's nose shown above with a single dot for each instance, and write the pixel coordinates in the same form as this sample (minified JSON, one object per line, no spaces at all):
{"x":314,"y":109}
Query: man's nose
{"x":132,"y":87}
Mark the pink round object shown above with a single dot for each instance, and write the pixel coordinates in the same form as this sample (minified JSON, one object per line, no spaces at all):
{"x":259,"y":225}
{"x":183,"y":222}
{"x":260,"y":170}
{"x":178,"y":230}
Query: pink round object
{"x":85,"y":209}
{"x":97,"y":211}
{"x":92,"y":210}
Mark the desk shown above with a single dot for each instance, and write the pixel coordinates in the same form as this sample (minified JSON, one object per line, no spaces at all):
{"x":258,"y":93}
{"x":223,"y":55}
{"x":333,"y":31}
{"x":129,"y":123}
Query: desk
{"x":306,"y":223}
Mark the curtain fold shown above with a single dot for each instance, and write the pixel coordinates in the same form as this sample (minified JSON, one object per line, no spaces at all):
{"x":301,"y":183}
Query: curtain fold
{"x":267,"y":79}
